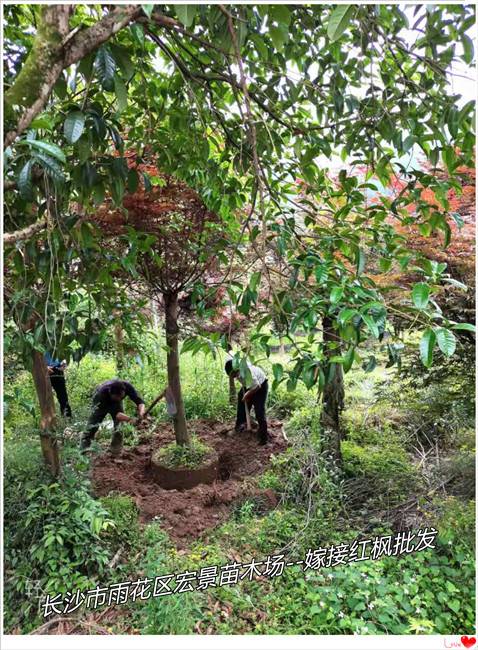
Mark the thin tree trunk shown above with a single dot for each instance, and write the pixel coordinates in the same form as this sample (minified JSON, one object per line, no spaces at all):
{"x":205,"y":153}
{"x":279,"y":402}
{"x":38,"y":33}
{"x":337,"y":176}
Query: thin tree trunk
{"x":44,"y":392}
{"x":333,"y":394}
{"x":119,"y":344}
{"x":232,"y":385}
{"x":174,"y":380}
{"x":281,"y":345}
{"x":232,"y":390}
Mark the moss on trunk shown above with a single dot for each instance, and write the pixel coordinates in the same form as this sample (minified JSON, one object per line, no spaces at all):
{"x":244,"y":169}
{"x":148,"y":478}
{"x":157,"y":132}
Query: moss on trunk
{"x":42,"y":64}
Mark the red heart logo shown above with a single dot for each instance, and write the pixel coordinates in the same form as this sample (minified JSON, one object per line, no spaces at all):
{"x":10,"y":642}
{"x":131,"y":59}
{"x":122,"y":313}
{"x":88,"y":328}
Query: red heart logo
{"x":468,"y":641}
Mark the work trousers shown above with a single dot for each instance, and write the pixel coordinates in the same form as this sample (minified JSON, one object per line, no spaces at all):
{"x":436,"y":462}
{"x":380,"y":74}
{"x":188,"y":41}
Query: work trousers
{"x":58,"y":384}
{"x":258,"y":401}
{"x":98,"y":414}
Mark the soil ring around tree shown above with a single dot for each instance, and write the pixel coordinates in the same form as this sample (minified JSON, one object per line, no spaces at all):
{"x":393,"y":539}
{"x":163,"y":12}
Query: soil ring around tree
{"x":184,"y":478}
{"x":187,"y":514}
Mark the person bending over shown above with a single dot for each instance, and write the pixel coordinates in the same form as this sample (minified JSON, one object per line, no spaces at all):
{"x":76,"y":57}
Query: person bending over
{"x":255,"y":395}
{"x":108,"y":398}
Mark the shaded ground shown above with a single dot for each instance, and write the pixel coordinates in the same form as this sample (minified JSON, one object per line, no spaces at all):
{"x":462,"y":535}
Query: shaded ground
{"x":187,"y":514}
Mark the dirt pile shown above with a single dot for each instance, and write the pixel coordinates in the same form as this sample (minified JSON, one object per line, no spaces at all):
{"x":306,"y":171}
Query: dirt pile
{"x":187,"y":514}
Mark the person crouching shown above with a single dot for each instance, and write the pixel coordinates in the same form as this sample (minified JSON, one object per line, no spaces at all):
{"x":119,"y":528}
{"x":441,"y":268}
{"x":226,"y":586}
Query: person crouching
{"x":108,"y":399}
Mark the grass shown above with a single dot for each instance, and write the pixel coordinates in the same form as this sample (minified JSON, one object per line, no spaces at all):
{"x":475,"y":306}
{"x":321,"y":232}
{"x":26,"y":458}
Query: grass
{"x":183,"y":456}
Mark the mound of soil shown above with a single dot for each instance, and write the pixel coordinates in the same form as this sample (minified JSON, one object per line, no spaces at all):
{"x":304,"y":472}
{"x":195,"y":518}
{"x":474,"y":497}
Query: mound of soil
{"x":186,"y":514}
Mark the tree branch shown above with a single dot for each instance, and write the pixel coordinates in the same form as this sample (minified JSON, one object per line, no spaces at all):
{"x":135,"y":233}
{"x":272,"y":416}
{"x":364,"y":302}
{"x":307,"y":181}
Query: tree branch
{"x":89,"y":39}
{"x":54,"y":49}
{"x":10,"y":238}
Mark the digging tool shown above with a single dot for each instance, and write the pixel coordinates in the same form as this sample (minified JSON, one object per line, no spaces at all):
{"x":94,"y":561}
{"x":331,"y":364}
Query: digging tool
{"x":248,"y":417}
{"x":154,"y":402}
{"x":170,"y":404}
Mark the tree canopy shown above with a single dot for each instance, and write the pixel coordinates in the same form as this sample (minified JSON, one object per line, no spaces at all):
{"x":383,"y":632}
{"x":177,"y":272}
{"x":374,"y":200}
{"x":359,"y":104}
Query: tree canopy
{"x":267,"y":112}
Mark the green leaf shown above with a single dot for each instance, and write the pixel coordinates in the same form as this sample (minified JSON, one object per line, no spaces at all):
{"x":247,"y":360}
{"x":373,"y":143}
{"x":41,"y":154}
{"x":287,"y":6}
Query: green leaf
{"x":148,"y":9}
{"x":51,"y":166}
{"x":133,"y":181}
{"x":280,"y":13}
{"x":468,"y":50}
{"x":449,"y":158}
{"x":385,"y":264}
{"x":339,"y":21}
{"x":98,"y":193}
{"x":74,"y":125}
{"x":138,"y":34}
{"x":420,"y":295}
{"x":147,"y":182}
{"x":370,"y":365}
{"x":277,"y":371}
{"x":467,"y":327}
{"x":117,"y":190}
{"x":121,"y":94}
{"x":446,"y":341}
{"x":408,"y":143}
{"x":457,"y":218}
{"x":105,"y":67}
{"x":123,"y":60}
{"x":25,"y":185}
{"x":427,"y":343}
{"x":454,"y":605}
{"x":47,"y":147}
{"x":254,"y":281}
{"x":456,"y":283}
{"x":186,"y":14}
{"x":336,"y":295}
{"x":371,"y":324}
{"x":349,"y":358}
{"x":279,"y":35}
{"x":346,"y":314}
{"x":360,"y":260}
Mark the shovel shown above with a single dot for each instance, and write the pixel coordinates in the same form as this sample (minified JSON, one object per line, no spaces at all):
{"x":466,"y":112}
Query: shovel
{"x":248,"y":417}
{"x":170,"y":403}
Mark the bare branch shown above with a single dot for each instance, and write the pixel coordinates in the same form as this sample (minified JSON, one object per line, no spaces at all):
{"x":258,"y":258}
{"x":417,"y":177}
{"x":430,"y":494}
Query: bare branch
{"x":10,"y":238}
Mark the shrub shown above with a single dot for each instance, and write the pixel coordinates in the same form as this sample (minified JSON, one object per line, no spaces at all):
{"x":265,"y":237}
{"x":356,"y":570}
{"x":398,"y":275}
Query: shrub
{"x":176,"y":613}
{"x":83,"y":378}
{"x":382,"y":472}
{"x":284,"y":402}
{"x":53,"y":533}
{"x":175,"y":456}
{"x":123,"y":511}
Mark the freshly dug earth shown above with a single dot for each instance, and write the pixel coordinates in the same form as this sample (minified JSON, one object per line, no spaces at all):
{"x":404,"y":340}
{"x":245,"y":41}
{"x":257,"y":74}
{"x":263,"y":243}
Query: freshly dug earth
{"x":186,"y":514}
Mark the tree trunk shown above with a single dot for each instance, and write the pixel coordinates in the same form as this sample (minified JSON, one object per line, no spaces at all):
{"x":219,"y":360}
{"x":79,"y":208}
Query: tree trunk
{"x":119,"y":344}
{"x":333,"y":394}
{"x":44,"y":392}
{"x":174,"y":380}
{"x":232,"y":390}
{"x":282,"y":349}
{"x":232,"y":385}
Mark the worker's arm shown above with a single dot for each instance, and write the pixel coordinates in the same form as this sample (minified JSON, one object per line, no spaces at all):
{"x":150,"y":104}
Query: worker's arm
{"x":122,"y":417}
{"x":141,"y":408}
{"x":248,"y":394}
{"x":134,"y":397}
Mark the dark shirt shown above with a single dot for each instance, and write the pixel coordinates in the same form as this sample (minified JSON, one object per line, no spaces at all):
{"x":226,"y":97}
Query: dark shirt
{"x":103,"y":396}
